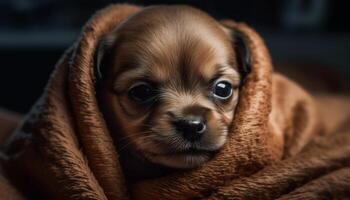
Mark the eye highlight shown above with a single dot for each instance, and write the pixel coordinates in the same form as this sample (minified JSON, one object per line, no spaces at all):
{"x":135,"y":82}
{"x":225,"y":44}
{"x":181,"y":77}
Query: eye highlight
{"x":142,"y":93}
{"x":222,"y":90}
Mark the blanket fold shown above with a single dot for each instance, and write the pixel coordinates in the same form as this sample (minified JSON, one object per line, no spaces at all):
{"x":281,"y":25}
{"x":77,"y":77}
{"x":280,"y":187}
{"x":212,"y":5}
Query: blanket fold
{"x":279,"y":145}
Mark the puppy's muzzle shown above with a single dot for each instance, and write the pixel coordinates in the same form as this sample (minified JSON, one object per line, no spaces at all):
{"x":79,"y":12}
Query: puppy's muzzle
{"x":192,"y":125}
{"x":191,"y":128}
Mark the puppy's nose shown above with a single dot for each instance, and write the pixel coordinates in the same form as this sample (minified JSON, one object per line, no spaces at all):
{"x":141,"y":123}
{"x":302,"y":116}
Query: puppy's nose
{"x":191,"y":128}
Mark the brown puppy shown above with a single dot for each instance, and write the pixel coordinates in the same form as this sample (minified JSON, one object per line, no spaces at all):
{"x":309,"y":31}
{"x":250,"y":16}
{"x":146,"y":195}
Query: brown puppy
{"x":170,"y":84}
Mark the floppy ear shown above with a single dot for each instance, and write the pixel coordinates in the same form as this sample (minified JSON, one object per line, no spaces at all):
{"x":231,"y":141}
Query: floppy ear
{"x":243,"y":54}
{"x":103,"y":49}
{"x":241,"y":49}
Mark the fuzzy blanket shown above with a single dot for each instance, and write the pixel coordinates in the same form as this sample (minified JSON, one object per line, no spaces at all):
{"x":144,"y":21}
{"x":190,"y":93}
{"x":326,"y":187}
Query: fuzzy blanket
{"x":281,"y":144}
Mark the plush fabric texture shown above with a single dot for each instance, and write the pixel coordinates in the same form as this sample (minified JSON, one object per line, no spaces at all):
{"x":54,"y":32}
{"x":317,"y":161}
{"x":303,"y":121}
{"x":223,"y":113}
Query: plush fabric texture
{"x":281,"y":145}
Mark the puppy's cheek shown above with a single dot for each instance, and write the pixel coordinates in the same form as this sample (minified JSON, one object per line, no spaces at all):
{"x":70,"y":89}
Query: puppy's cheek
{"x":162,"y":124}
{"x":131,"y":109}
{"x":141,"y":141}
{"x":120,"y":119}
{"x":144,"y":143}
{"x":156,"y":136}
{"x":164,"y":134}
{"x":228,"y":109}
{"x":217,"y":132}
{"x":150,"y":146}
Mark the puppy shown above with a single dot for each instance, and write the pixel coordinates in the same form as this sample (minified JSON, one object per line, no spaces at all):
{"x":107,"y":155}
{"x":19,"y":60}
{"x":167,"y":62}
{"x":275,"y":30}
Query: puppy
{"x":169,"y":85}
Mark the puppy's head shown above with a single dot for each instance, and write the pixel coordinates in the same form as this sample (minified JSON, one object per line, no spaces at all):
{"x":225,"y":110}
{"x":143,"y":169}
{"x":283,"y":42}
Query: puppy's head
{"x":170,"y":84}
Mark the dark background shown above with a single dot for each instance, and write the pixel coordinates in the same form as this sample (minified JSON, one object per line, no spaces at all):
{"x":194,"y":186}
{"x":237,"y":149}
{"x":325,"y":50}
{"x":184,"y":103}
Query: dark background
{"x":34,"y":34}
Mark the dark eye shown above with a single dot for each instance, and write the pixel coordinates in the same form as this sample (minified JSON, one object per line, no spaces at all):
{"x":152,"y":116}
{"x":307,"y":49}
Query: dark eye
{"x":222,"y":90}
{"x":142,"y":93}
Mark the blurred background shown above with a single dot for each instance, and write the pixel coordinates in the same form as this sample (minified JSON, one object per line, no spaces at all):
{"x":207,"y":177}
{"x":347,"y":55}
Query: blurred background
{"x":309,"y":39}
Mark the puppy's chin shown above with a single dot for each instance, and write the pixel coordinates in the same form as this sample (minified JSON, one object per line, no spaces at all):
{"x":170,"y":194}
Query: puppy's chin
{"x":183,"y":159}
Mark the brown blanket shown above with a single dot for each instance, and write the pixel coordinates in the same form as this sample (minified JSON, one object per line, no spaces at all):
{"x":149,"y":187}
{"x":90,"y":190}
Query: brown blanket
{"x":280,"y":146}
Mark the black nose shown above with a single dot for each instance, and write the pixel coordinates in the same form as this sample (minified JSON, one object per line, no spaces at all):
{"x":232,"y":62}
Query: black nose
{"x":191,"y":129}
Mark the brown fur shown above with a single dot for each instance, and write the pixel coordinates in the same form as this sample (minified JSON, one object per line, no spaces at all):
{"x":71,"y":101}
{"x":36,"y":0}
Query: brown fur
{"x":158,"y":45}
{"x":64,"y":150}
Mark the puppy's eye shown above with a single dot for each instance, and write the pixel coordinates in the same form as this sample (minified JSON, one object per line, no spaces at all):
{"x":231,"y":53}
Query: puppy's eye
{"x":142,"y":93}
{"x":222,"y":90}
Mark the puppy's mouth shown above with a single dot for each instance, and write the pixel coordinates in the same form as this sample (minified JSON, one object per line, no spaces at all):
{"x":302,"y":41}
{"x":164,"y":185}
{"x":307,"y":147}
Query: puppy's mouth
{"x":175,"y":151}
{"x":187,"y":158}
{"x":192,"y":152}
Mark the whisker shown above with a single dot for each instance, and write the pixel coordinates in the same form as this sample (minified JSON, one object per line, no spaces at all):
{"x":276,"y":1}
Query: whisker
{"x":130,"y":142}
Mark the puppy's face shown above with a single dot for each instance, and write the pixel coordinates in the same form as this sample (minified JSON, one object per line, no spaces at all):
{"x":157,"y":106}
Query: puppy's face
{"x":170,"y":85}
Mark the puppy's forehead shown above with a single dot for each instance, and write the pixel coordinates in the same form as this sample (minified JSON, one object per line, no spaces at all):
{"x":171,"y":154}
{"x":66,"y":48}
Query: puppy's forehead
{"x":170,"y":42}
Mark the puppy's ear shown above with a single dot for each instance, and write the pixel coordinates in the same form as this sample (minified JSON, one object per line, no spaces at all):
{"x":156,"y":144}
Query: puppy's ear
{"x":102,"y":51}
{"x":242,"y":51}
